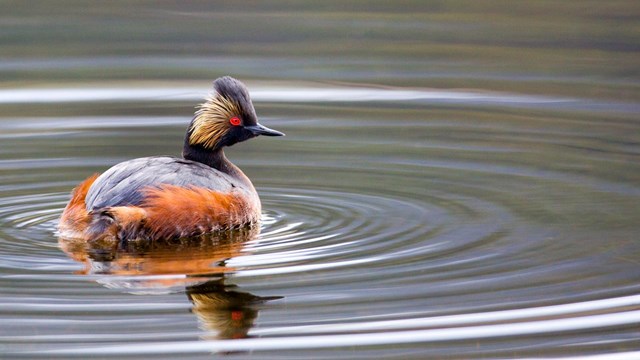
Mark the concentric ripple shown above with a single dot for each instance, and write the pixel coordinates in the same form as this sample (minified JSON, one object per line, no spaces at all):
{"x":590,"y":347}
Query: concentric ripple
{"x":394,"y":229}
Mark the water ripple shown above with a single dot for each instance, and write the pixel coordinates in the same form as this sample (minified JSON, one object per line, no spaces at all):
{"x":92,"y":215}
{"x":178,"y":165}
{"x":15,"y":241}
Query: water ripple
{"x":315,"y":94}
{"x":554,"y":326}
{"x":419,"y":236}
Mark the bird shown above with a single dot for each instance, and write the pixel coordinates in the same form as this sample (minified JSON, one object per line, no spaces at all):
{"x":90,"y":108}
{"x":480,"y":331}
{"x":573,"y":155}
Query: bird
{"x":162,"y":197}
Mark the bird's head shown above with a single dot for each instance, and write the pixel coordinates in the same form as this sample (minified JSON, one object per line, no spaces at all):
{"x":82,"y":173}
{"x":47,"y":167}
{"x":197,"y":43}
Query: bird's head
{"x":226,"y":117}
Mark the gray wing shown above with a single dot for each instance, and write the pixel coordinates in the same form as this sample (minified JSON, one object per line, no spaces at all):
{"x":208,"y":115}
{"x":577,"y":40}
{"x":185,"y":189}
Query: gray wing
{"x":122,"y":184}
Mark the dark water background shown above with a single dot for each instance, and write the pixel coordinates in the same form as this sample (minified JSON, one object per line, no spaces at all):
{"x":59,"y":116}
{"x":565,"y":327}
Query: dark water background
{"x":459,"y":179}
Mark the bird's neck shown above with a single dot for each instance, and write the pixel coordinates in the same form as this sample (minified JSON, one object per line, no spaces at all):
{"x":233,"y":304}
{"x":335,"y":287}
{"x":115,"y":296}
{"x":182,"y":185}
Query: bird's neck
{"x":217,"y":160}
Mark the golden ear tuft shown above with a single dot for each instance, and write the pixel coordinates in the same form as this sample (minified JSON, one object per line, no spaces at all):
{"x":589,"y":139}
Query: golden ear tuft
{"x":211,"y":121}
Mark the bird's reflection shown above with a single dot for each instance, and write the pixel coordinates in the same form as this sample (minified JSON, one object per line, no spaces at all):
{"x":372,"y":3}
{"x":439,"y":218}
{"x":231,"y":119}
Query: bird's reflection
{"x":222,"y":310}
{"x":196,"y":265}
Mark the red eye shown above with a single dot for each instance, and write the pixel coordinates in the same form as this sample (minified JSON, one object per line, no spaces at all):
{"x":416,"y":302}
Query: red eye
{"x":235,"y":121}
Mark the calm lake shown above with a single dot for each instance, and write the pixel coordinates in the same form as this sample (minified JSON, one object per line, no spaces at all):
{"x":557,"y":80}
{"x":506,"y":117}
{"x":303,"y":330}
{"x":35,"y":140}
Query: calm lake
{"x":459,"y":180}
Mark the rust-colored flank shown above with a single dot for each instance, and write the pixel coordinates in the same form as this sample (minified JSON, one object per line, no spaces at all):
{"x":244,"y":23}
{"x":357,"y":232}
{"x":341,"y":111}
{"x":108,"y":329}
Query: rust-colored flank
{"x":75,"y":218}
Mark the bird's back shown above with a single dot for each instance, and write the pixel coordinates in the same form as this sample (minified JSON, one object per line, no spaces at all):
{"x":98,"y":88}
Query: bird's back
{"x":123,"y":184}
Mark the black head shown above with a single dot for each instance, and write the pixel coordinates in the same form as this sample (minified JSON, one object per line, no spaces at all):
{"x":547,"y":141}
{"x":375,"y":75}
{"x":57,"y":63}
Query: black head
{"x":226,"y":118}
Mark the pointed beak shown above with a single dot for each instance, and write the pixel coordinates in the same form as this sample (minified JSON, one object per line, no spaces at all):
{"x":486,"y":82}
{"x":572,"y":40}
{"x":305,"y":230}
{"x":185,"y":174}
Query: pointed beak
{"x":258,"y":129}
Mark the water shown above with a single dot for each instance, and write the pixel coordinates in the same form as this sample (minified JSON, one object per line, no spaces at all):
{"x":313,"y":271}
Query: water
{"x":464,"y":199}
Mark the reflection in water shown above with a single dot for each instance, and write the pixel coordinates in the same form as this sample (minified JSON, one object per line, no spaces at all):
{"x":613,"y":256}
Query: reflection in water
{"x":196,"y":264}
{"x":189,"y":256}
{"x":222,"y":312}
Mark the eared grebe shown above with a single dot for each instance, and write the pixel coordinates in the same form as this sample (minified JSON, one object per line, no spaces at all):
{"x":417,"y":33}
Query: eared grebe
{"x":167,"y":197}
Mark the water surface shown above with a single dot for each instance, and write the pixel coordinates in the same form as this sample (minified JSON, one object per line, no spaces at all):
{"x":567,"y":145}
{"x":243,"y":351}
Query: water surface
{"x":456,"y":200}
